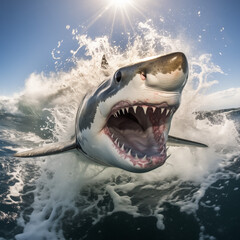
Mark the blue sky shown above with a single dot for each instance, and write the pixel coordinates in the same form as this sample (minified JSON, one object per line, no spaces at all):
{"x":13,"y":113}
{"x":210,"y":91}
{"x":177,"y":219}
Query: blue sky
{"x":31,"y":29}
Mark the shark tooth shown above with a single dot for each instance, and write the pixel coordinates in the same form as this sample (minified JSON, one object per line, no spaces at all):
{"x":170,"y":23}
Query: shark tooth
{"x":145,"y":109}
{"x":162,"y":151}
{"x":172,"y":111}
{"x":135,"y":109}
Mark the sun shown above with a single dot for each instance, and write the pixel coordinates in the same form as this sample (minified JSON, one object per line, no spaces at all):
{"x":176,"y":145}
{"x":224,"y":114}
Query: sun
{"x":121,"y":3}
{"x":119,"y":11}
{"x":124,"y":10}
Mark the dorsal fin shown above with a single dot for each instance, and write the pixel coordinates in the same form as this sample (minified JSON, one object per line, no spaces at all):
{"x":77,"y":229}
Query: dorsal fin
{"x":104,"y":63}
{"x":49,"y":149}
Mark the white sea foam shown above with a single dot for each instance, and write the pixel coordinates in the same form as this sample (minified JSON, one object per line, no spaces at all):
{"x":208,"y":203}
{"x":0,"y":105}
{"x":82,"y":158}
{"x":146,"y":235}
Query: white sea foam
{"x":65,"y":184}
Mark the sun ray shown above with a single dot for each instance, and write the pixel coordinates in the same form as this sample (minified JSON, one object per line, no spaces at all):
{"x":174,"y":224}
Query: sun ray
{"x":98,"y":15}
{"x":123,"y":19}
{"x":122,"y":9}
{"x":138,"y":10}
{"x":113,"y":22}
{"x":129,"y":21}
{"x":124,"y":5}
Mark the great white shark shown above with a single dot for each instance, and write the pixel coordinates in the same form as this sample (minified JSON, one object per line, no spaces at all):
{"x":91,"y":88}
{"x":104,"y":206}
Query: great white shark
{"x":125,"y":121}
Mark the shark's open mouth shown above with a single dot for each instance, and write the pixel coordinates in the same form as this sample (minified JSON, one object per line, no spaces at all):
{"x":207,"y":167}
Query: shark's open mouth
{"x":139,"y":132}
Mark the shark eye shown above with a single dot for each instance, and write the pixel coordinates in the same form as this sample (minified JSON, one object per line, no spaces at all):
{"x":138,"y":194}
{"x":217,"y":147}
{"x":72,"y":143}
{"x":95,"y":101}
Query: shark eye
{"x":118,"y":76}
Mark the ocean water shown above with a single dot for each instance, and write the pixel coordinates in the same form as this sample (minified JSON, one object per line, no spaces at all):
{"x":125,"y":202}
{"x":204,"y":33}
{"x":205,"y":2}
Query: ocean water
{"x":195,"y":195}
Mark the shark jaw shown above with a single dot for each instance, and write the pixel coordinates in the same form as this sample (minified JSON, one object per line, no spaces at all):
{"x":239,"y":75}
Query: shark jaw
{"x":139,"y":132}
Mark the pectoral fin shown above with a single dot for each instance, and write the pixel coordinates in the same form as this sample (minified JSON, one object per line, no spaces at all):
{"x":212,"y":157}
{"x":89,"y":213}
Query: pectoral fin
{"x":178,"y":142}
{"x":49,"y":149}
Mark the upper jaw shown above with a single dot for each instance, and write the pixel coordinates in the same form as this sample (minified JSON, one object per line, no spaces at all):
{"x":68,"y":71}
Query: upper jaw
{"x":124,"y":107}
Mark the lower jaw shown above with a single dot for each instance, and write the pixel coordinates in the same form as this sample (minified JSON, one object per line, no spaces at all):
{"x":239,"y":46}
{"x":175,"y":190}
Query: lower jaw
{"x":144,"y":164}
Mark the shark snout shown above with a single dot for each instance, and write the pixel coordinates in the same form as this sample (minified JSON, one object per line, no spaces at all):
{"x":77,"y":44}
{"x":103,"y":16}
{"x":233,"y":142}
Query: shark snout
{"x":167,"y":73}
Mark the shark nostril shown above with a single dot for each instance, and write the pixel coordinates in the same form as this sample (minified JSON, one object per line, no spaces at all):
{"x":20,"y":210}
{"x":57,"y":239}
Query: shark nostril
{"x":143,"y":75}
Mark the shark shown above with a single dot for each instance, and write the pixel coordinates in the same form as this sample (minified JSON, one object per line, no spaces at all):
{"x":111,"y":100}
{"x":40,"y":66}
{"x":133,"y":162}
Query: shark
{"x":125,"y":121}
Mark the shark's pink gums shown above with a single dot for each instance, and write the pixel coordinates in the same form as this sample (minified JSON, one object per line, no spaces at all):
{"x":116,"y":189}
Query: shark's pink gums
{"x":148,"y":148}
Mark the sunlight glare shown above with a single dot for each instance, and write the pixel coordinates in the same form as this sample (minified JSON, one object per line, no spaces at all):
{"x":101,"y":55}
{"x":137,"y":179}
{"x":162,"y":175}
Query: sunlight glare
{"x":120,"y":3}
{"x":118,"y":10}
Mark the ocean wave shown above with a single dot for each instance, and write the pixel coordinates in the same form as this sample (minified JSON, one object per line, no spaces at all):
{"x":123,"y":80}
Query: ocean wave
{"x":63,"y":193}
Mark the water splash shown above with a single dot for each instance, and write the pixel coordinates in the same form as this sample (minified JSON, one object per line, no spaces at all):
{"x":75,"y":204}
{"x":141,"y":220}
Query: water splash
{"x":68,"y":191}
